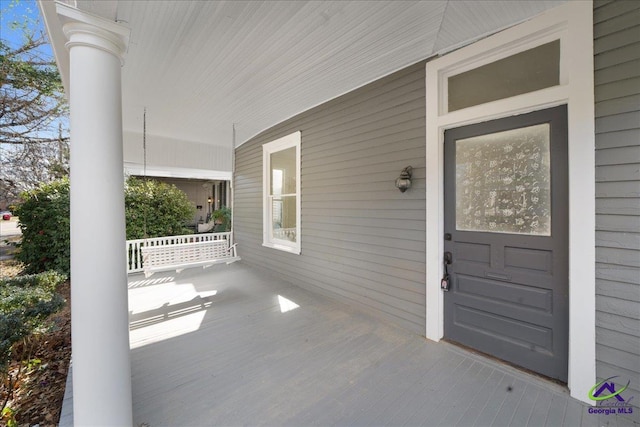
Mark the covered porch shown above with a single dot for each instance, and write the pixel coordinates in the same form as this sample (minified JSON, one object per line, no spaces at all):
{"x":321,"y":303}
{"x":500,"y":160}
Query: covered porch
{"x":211,"y":96}
{"x":236,"y":345}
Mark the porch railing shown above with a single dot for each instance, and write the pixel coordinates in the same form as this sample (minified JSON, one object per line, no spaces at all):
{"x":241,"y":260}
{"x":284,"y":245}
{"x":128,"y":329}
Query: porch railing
{"x":285,"y":234}
{"x":134,"y":254}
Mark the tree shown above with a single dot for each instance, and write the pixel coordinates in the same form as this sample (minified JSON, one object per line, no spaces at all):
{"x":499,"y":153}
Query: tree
{"x":33,"y":111}
{"x":154,"y":209}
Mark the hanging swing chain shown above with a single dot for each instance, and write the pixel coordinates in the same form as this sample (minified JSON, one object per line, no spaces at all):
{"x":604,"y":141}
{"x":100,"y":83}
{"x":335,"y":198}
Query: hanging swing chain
{"x":144,"y":167}
{"x":144,"y":142}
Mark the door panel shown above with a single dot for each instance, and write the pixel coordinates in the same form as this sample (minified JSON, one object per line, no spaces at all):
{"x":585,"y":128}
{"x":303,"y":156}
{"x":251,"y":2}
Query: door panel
{"x":506,"y":210}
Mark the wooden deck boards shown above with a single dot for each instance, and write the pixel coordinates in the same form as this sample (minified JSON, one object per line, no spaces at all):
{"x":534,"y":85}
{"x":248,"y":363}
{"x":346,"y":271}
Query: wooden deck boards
{"x":218,"y":350}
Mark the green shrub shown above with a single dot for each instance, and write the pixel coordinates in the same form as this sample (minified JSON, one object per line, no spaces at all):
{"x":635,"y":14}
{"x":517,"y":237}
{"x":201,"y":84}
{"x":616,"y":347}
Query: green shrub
{"x":25,"y":302}
{"x":48,"y":280}
{"x":44,"y":221}
{"x":161,"y":209}
{"x":158,"y":208}
{"x":222,"y":217}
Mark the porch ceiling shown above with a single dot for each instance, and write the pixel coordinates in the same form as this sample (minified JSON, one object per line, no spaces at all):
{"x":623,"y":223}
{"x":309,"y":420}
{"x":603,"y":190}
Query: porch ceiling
{"x":201,"y":66}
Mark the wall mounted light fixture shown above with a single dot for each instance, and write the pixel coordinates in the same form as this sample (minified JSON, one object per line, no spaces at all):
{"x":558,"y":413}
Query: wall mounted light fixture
{"x":404,"y":180}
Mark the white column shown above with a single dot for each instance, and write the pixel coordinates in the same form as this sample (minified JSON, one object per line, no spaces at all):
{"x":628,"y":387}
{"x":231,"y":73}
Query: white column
{"x":216,"y":196}
{"x":100,"y":325}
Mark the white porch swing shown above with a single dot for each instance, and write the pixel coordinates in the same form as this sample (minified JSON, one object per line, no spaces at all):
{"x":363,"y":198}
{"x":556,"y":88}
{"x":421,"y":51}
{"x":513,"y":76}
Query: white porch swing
{"x":187,"y":255}
{"x":174,"y":253}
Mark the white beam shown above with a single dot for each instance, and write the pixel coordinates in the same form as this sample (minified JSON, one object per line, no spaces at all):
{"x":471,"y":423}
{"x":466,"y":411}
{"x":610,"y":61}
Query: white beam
{"x":582,"y":203}
{"x":175,"y":172}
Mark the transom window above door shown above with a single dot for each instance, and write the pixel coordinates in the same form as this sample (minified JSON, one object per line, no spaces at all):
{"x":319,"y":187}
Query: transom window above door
{"x":523,"y":72}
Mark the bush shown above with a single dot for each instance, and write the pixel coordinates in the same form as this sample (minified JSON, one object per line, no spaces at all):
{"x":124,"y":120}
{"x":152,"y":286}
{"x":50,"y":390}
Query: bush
{"x":158,"y":208}
{"x":25,"y":302}
{"x":44,"y":221}
{"x":222,"y":217}
{"x":49,"y":281}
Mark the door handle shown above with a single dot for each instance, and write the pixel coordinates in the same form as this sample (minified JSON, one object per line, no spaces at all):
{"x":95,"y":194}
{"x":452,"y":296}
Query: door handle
{"x":445,"y":283}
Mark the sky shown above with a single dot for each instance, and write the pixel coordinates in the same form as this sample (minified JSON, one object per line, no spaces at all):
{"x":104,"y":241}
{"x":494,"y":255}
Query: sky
{"x":13,"y":16}
{"x":12,"y":12}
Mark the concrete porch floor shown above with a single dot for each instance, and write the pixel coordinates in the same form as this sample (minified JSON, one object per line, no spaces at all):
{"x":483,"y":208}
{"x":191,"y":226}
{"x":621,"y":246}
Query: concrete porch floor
{"x":234,"y":345}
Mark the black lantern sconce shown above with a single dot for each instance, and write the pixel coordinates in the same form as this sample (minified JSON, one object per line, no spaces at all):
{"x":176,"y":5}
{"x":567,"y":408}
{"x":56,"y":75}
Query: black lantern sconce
{"x":404,"y":180}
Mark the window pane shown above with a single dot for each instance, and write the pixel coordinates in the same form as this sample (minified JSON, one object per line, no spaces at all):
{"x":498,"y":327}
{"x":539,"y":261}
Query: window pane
{"x":524,"y":72}
{"x":284,"y":218}
{"x":503,"y":182}
{"x":283,"y":172}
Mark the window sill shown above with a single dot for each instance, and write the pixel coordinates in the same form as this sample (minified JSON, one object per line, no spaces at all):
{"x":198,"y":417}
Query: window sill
{"x":283,"y":248}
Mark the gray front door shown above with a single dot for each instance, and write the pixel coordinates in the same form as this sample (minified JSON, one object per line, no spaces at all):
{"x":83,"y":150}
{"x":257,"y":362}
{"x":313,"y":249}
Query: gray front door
{"x":506,"y":230}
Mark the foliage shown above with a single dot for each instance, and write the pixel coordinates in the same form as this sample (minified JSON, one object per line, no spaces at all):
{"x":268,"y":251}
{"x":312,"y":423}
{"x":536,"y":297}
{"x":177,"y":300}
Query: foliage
{"x":47,"y":280}
{"x":8,"y":416}
{"x":25,"y":302}
{"x":155,"y":209}
{"x":222,"y":217}
{"x":32,"y":388}
{"x":160,"y":209}
{"x":33,"y":119}
{"x":44,"y":221}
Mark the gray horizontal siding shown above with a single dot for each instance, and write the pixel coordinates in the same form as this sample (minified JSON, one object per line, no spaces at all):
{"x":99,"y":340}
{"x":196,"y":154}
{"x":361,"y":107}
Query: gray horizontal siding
{"x":617,"y":78}
{"x":363,"y":242}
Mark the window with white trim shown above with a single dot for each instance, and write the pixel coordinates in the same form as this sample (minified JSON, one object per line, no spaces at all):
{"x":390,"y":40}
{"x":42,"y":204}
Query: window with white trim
{"x":281,"y":193}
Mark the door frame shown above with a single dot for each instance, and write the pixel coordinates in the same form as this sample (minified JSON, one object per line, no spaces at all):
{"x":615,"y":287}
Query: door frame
{"x":572,"y":23}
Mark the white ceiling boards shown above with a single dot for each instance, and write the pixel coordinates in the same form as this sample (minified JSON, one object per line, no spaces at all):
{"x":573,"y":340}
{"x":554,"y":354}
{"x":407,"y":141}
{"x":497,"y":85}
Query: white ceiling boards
{"x":201,"y":66}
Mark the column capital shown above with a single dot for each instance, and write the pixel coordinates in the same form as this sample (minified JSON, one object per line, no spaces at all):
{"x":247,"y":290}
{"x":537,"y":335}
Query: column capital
{"x":84,"y":29}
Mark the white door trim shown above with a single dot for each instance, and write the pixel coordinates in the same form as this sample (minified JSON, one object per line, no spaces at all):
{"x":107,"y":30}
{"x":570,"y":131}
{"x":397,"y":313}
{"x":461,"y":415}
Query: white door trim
{"x":572,"y":23}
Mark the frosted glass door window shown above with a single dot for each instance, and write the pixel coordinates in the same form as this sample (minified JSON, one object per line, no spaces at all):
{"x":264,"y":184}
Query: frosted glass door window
{"x":503,"y":182}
